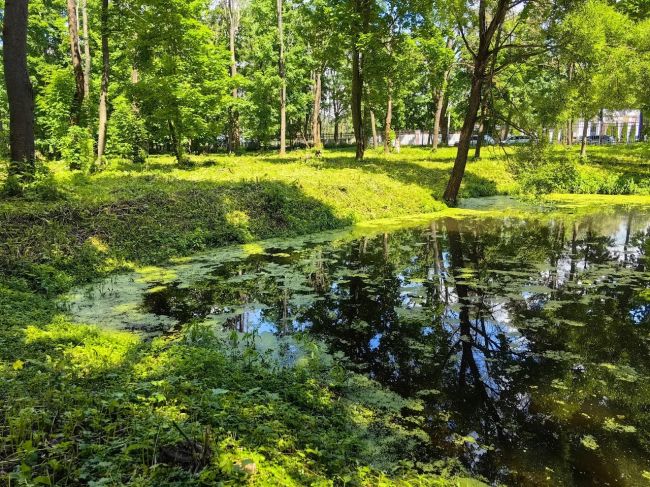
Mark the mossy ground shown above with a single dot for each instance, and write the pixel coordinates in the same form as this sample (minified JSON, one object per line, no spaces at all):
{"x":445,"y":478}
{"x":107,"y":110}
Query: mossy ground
{"x":85,"y":406}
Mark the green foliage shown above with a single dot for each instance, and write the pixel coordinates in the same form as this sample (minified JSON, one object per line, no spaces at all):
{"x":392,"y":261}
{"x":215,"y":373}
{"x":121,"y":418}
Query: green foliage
{"x":539,"y":170}
{"x":78,"y":148}
{"x":125,"y":399}
{"x":127,"y":134}
{"x":542,"y":168}
{"x":53,"y":110}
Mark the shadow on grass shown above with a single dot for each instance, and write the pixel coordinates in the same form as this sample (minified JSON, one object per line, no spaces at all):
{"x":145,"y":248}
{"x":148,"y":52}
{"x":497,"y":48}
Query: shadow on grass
{"x":49,"y":246}
{"x":410,"y":172}
{"x":413,"y":166}
{"x":152,"y":413}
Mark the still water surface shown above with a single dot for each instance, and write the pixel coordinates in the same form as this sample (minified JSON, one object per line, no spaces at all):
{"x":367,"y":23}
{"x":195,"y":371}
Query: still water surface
{"x":528,"y":340}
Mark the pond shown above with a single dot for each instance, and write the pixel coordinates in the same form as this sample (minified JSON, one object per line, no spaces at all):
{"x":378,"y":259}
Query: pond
{"x":526,"y":338}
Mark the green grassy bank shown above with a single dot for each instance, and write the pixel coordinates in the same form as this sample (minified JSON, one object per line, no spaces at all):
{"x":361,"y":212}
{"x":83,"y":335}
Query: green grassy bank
{"x":81,"y":406}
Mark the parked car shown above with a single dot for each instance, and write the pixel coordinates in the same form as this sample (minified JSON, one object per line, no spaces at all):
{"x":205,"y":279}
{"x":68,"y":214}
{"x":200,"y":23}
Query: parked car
{"x":487,"y":140}
{"x":517,"y":140}
{"x":598,"y":139}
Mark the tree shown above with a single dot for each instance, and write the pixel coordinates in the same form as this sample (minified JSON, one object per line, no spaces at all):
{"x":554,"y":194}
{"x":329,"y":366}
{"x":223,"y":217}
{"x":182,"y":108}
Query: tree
{"x":183,"y":76}
{"x":485,"y":31}
{"x":485,"y":23}
{"x":283,"y":80}
{"x":19,"y":89}
{"x":103,"y":96}
{"x":445,"y":60}
{"x":86,"y":43}
{"x":360,"y":23}
{"x":336,"y":96}
{"x":233,"y":10}
{"x":80,"y":84}
{"x":597,"y":47}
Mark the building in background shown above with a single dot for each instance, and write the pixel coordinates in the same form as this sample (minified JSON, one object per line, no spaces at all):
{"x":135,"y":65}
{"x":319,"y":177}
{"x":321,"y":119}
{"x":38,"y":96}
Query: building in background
{"x":625,"y":126}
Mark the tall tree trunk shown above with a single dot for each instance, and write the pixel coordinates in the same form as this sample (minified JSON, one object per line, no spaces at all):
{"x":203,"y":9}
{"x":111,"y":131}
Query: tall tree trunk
{"x":440,"y":101}
{"x":336,"y":129}
{"x":569,"y":129}
{"x":482,"y":128}
{"x":389,"y":118}
{"x":86,"y":40}
{"x":283,"y":82}
{"x":233,"y":115}
{"x":103,"y":95}
{"x":585,"y":132}
{"x":484,"y":102}
{"x":77,"y":102}
{"x":361,"y":9}
{"x":505,"y":130}
{"x":440,"y":104}
{"x":176,"y":143}
{"x":19,"y":89}
{"x":373,"y":123}
{"x":481,"y":59}
{"x":444,"y":121}
{"x":357,"y":94}
{"x":458,"y":171}
{"x":315,"y":116}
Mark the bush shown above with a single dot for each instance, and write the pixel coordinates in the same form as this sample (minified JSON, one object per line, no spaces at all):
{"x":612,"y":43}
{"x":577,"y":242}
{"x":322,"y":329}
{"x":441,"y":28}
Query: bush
{"x":4,"y":144}
{"x":44,"y":187}
{"x":127,"y":134}
{"x":78,"y":148}
{"x":13,"y":187}
{"x":539,"y":170}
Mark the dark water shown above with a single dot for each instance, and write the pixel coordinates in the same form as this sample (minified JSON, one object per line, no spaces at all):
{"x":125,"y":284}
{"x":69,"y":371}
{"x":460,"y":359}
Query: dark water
{"x":527,"y":340}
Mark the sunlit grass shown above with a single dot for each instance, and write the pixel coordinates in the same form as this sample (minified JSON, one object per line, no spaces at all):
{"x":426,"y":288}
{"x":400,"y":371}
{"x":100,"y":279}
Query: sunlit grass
{"x":77,"y":402}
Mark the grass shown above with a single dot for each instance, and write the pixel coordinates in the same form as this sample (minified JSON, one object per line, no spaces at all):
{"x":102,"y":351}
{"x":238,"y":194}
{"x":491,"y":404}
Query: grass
{"x":79,"y":405}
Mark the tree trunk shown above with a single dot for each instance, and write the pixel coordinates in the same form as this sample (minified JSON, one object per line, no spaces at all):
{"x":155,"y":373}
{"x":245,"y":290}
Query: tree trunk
{"x":233,"y":114}
{"x":373,"y":123}
{"x":505,"y":130}
{"x":87,"y":60}
{"x":336,"y":129}
{"x":481,"y":59}
{"x":485,"y":109}
{"x":315,"y":116}
{"x":389,"y":118}
{"x":440,"y":102}
{"x":283,"y":82}
{"x":585,"y":132}
{"x":444,"y":122}
{"x":451,"y":193}
{"x":570,"y":121}
{"x":103,"y":96}
{"x":77,"y":102}
{"x":19,"y":89}
{"x":176,"y":143}
{"x":482,"y":128}
{"x":361,"y":10}
{"x":357,"y":93}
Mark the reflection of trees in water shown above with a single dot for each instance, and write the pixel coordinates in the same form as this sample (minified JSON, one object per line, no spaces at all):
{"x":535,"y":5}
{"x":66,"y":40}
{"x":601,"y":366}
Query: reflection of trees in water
{"x":469,"y":333}
{"x":471,"y":316}
{"x":471,"y":355}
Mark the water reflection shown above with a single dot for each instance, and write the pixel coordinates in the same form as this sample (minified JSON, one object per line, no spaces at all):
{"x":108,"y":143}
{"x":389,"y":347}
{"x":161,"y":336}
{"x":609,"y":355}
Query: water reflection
{"x":527,"y":340}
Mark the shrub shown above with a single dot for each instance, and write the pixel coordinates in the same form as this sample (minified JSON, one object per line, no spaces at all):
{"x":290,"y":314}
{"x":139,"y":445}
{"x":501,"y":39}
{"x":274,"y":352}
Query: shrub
{"x":44,"y":187}
{"x":78,"y":148}
{"x":539,"y":170}
{"x":127,"y":134}
{"x":4,"y":144}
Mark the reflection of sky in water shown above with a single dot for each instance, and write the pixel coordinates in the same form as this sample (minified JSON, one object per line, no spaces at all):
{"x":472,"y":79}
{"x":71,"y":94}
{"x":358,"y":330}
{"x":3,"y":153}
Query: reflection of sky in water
{"x":398,"y":315}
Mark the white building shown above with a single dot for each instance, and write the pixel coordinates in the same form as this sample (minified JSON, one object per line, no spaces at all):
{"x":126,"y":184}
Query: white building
{"x":625,"y":126}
